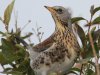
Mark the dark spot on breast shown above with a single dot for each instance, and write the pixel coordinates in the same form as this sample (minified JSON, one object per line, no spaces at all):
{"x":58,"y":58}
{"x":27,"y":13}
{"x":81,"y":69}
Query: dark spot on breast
{"x":68,"y":56}
{"x":42,"y":60}
{"x":46,"y":53}
{"x":70,"y":38}
{"x":47,"y":64}
{"x":67,"y":36}
{"x":66,"y":42}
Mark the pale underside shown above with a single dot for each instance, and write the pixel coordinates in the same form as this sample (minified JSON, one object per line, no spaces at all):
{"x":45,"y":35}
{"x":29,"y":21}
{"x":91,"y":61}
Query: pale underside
{"x":60,"y":67}
{"x":63,"y":58}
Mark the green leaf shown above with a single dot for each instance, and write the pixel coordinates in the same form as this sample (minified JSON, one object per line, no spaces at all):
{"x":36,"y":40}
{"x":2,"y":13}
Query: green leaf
{"x":96,"y":35}
{"x":76,"y":19}
{"x":92,"y":63}
{"x":95,"y":10}
{"x":21,"y":52}
{"x":13,"y":72}
{"x":93,"y":29}
{"x":28,"y":35}
{"x":7,"y":14}
{"x":90,"y":52}
{"x":6,"y":70}
{"x":2,"y":33}
{"x":96,"y":20}
{"x":24,"y":66}
{"x":2,"y":59}
{"x":99,"y":42}
{"x":96,"y":48}
{"x":91,"y":10}
{"x":75,"y":69}
{"x":8,"y":51}
{"x":71,"y":72}
{"x":81,"y":35}
{"x":89,"y":72}
{"x":30,"y":71}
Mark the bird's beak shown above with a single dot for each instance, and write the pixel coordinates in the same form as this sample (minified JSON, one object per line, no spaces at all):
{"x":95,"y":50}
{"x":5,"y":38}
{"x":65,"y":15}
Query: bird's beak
{"x":51,"y":9}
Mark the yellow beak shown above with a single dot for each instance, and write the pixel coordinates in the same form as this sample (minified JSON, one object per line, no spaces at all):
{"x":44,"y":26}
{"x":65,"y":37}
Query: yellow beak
{"x":51,"y":9}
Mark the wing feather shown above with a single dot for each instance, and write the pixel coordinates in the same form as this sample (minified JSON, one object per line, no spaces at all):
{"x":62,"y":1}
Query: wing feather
{"x":45,"y":44}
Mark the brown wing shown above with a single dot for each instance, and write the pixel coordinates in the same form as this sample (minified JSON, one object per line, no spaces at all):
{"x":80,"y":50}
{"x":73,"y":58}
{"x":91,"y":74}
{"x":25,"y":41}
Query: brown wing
{"x":45,"y":44}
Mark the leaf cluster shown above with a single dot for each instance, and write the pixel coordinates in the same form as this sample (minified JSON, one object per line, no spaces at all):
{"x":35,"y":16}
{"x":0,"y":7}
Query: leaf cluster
{"x":11,"y":52}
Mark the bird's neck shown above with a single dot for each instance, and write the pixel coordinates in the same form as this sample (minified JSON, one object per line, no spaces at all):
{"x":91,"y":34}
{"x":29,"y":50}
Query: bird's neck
{"x":61,"y":26}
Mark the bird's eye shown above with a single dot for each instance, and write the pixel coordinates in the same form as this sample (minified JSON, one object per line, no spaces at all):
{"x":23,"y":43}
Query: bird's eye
{"x":59,"y":11}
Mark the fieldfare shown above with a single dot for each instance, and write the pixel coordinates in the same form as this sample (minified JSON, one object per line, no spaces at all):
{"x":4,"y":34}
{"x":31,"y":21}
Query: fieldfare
{"x":59,"y":52}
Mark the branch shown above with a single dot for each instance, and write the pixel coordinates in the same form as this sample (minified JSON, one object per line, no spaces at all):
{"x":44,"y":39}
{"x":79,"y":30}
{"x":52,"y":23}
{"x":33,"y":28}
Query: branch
{"x":94,"y":53}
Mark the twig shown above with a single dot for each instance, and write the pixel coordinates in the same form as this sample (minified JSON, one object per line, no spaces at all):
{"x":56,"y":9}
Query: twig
{"x":92,"y":45}
{"x":37,"y":32}
{"x":25,"y":25}
{"x":16,"y":19}
{"x":81,"y":69}
{"x":94,"y":53}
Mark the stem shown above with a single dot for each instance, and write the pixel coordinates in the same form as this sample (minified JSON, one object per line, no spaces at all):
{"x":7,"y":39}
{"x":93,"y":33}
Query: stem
{"x":16,"y":17}
{"x":81,"y":69}
{"x":93,"y":48}
{"x":94,"y":53}
{"x":25,"y":25}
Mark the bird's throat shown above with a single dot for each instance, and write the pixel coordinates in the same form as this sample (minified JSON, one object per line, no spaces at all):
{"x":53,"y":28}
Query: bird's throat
{"x":58,"y":24}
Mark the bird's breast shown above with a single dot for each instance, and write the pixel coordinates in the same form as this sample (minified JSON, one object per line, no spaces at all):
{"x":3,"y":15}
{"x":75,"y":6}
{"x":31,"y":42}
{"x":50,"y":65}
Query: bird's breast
{"x":67,"y":40}
{"x":60,"y":56}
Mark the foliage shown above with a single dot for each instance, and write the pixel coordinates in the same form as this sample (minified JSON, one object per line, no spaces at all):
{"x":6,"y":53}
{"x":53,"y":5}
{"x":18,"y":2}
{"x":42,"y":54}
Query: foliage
{"x":15,"y":55}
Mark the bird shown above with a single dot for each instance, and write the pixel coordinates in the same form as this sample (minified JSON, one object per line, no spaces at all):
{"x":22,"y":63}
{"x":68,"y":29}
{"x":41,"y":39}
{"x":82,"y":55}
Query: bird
{"x":59,"y":52}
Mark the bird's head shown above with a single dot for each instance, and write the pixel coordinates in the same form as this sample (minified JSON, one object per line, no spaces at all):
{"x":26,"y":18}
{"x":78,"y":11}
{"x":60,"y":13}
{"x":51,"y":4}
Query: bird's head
{"x":59,"y":13}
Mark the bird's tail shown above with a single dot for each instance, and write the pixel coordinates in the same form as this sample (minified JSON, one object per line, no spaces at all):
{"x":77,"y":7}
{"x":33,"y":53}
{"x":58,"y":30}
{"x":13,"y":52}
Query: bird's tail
{"x":32,"y":53}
